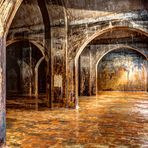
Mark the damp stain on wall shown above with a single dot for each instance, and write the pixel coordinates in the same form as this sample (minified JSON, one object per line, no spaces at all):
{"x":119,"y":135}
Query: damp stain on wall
{"x":122,"y":70}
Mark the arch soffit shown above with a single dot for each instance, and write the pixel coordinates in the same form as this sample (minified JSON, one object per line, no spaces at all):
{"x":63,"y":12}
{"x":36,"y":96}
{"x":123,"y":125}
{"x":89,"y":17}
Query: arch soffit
{"x":36,"y":44}
{"x":119,"y":47}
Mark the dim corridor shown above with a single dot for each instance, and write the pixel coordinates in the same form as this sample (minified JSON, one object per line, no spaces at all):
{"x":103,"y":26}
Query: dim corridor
{"x":112,"y":119}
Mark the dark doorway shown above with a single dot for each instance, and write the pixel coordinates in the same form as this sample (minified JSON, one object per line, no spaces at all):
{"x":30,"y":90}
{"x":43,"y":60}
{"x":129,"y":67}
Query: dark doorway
{"x":21,"y":59}
{"x":42,"y":78}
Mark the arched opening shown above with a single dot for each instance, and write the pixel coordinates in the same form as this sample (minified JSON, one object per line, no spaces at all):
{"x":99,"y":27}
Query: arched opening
{"x":97,"y":47}
{"x":122,"y":70}
{"x":32,"y":23}
{"x":35,"y":27}
{"x":12,"y":76}
{"x":22,"y":58}
{"x":84,"y":73}
{"x":42,"y":78}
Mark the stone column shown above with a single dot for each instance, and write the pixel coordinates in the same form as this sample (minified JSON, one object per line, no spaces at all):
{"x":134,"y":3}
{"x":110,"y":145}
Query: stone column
{"x":2,"y":90}
{"x":47,"y":44}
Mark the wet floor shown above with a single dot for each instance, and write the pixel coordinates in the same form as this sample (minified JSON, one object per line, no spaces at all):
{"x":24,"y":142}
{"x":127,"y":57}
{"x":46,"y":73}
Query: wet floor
{"x":107,"y":121}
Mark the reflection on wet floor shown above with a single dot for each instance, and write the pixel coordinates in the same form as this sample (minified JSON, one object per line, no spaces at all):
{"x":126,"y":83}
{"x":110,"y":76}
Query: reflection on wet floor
{"x":108,"y":120}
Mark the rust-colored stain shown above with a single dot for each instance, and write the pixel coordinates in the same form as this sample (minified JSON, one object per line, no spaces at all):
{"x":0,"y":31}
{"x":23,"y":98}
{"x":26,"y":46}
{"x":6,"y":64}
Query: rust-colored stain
{"x":122,"y":70}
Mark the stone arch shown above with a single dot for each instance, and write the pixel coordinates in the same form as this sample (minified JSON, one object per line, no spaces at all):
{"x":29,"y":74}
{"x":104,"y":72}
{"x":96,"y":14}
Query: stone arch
{"x":92,"y":37}
{"x":9,"y":9}
{"x":48,"y":20}
{"x":36,"y":74}
{"x":118,"y":47}
{"x":36,"y":44}
{"x":11,"y":16}
{"x":113,"y":49}
{"x":105,"y":30}
{"x":39,"y":47}
{"x":36,"y":80}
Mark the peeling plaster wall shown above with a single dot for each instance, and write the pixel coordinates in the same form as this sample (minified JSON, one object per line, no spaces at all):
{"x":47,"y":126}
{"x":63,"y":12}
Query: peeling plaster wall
{"x":122,"y":70}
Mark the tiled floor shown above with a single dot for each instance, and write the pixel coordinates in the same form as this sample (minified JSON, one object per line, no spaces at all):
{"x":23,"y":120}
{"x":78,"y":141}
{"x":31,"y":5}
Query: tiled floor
{"x":107,"y":121}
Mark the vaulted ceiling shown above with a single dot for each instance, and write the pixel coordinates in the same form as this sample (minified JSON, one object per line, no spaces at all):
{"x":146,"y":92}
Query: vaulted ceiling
{"x":80,"y":12}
